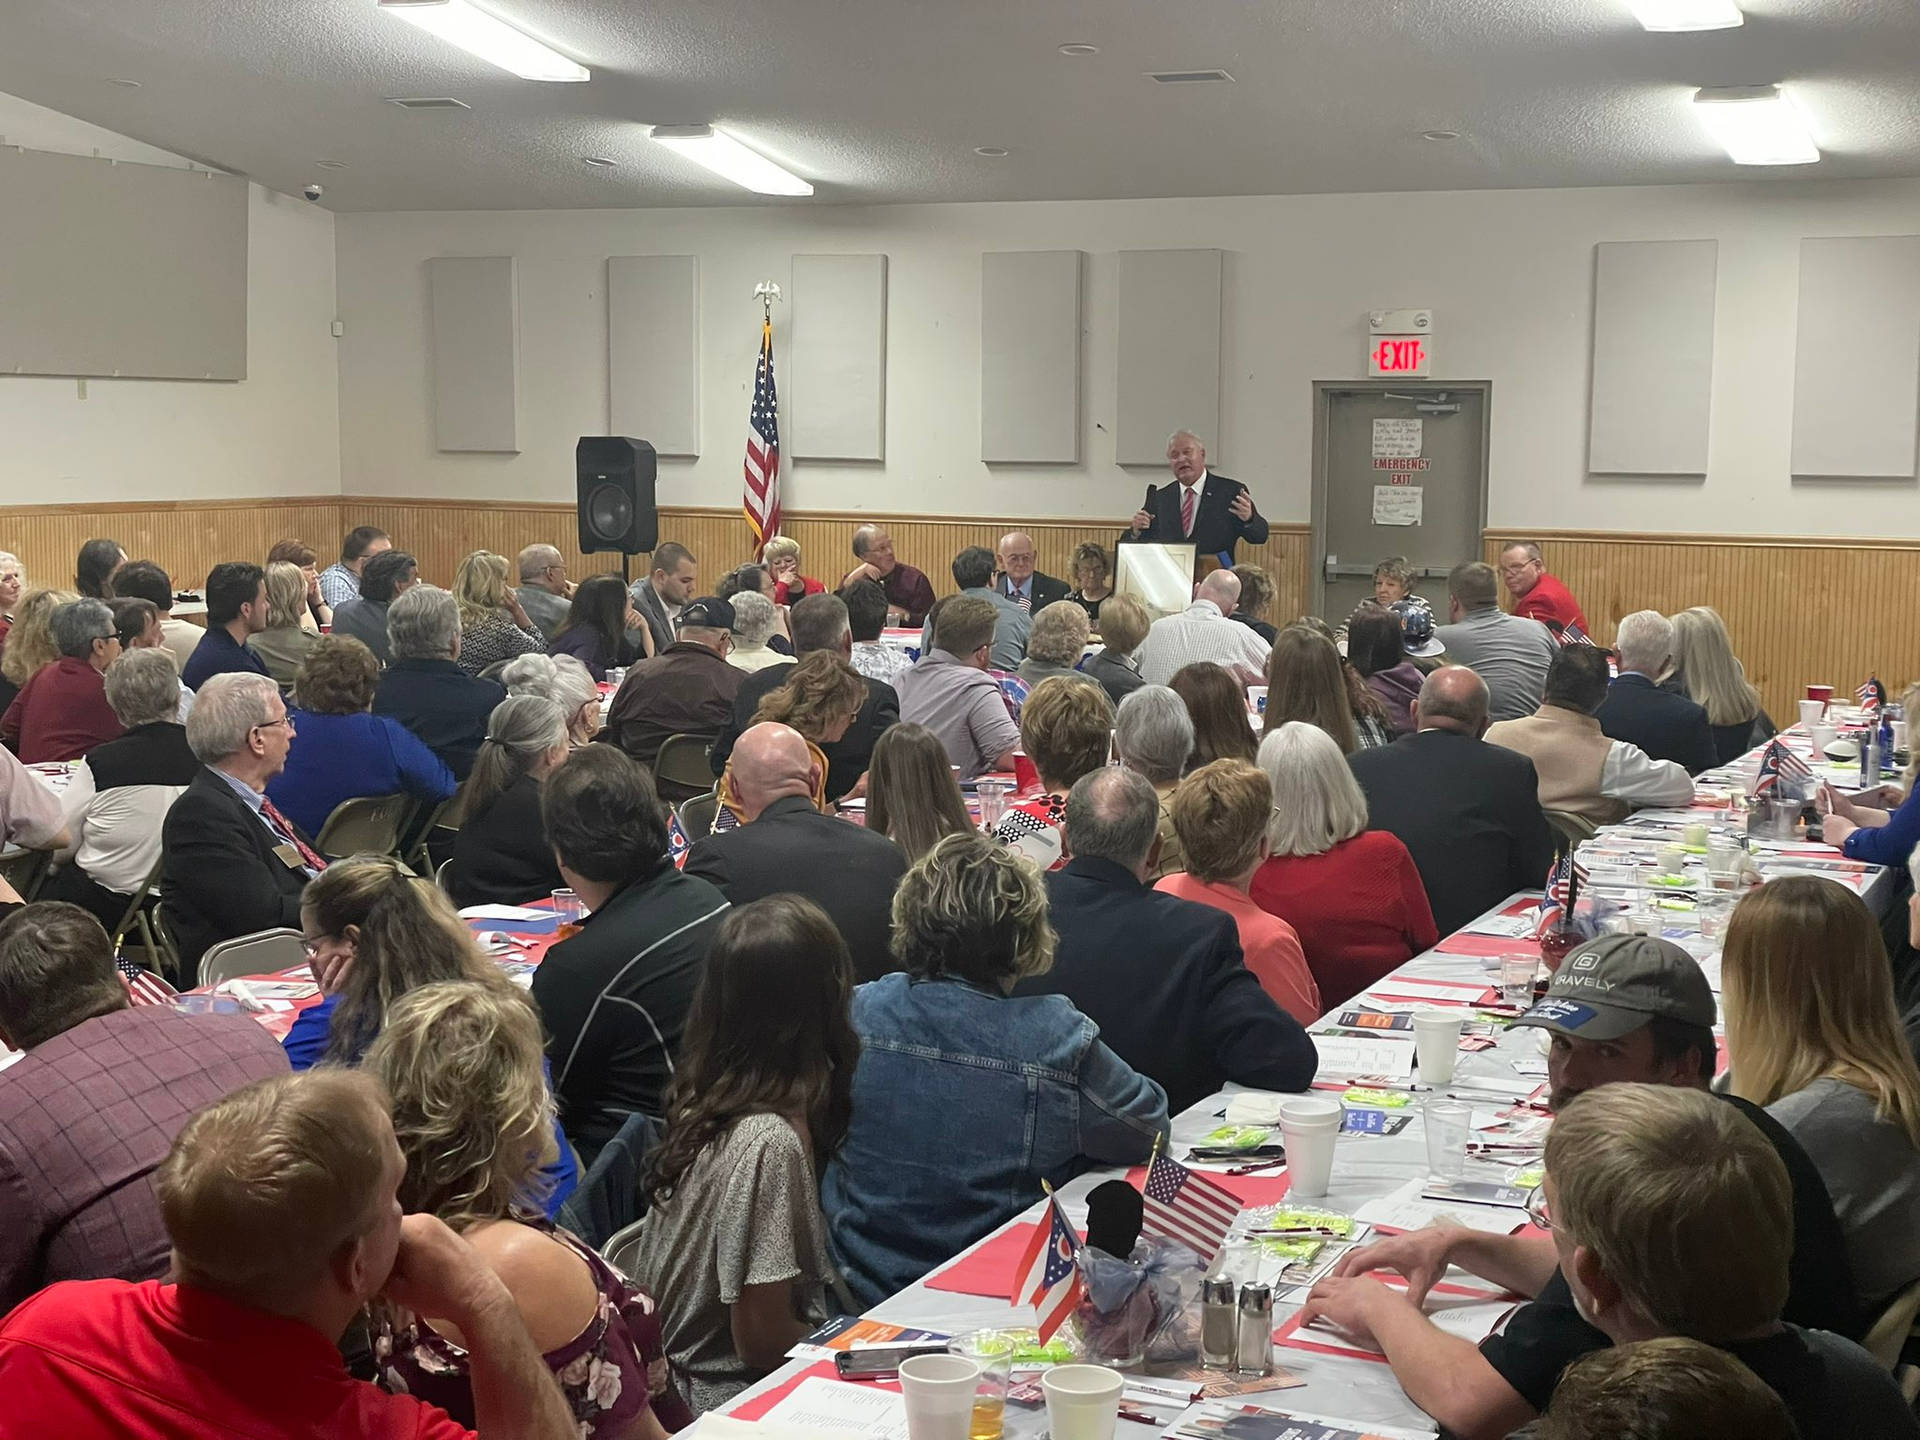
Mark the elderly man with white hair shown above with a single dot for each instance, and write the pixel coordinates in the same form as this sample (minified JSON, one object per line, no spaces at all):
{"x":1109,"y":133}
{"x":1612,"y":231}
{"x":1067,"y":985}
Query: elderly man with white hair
{"x":424,"y":689}
{"x":1202,"y":507}
{"x":1019,"y":581}
{"x":544,"y":591}
{"x":233,"y":864}
{"x":1665,"y":724}
{"x":1205,"y":631}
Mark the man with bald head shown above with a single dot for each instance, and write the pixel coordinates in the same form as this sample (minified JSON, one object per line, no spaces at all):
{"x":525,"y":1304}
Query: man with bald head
{"x":787,"y":846}
{"x":1205,"y":631}
{"x":1467,"y":811}
{"x":1201,"y":508}
{"x":1019,"y":582}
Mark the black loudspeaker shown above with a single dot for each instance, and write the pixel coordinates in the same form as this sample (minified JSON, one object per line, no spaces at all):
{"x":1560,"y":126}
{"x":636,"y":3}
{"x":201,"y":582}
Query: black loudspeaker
{"x":615,"y":476}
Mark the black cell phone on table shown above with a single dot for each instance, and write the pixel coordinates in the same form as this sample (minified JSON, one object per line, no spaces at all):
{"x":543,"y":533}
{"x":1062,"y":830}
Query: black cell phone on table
{"x":882,"y":1362}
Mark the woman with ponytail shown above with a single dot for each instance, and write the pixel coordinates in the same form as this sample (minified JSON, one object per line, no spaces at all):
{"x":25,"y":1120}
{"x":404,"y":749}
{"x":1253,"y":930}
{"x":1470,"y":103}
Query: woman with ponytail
{"x":500,"y":852}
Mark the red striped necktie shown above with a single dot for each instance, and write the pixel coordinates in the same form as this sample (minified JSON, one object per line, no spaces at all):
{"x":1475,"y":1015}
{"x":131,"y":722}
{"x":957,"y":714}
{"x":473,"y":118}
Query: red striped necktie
{"x":308,"y":854}
{"x":1186,"y":509}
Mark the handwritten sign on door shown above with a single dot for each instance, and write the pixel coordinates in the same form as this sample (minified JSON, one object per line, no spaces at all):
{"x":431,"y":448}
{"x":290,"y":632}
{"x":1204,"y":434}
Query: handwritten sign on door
{"x":1397,"y":504}
{"x":1397,"y":438}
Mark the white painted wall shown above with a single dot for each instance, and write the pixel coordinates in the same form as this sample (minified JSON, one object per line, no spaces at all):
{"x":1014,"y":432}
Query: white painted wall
{"x":1508,"y":273}
{"x":275,"y":433}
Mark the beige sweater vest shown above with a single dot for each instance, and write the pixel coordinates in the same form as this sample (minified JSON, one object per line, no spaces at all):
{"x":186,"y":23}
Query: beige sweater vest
{"x":1570,"y":755}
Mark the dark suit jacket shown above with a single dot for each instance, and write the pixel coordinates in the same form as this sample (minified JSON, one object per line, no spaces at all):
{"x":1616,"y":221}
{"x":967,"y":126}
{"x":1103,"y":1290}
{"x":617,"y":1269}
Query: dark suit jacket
{"x":1469,"y":814}
{"x":1665,"y":725}
{"x":1216,"y":530}
{"x":846,"y":870}
{"x":1044,"y":591}
{"x":219,"y":875}
{"x":442,"y":704}
{"x":847,"y":757}
{"x":1164,"y":980}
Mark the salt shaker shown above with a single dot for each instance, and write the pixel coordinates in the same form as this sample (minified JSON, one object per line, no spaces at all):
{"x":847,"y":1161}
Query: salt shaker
{"x":1219,"y":1324}
{"x":1256,"y":1330}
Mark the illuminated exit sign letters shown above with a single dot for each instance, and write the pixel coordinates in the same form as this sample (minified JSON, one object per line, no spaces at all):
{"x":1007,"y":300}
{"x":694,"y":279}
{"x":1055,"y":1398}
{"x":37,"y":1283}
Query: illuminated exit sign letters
{"x":1399,"y":355}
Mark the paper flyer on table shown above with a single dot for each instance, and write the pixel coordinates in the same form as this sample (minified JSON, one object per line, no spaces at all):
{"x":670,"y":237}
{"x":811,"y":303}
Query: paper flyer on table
{"x":1251,"y":1422}
{"x":1442,"y":992}
{"x":1470,"y":1317}
{"x":819,"y":1405}
{"x":850,"y":1332}
{"x":1347,"y":1056}
{"x":1405,"y":1210}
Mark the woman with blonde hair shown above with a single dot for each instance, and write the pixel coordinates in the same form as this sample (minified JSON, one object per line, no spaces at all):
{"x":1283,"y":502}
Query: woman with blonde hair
{"x":285,"y":643}
{"x":30,"y":641}
{"x":1091,"y":574}
{"x":1814,"y":1036}
{"x":1306,"y":681}
{"x":462,"y":1064}
{"x":1705,"y":669}
{"x":493,"y":624}
{"x":823,"y":695}
{"x":1352,"y":895}
{"x":912,"y":796}
{"x":314,"y":611}
{"x":1256,"y":600}
{"x":1123,"y":627}
{"x":782,"y":559}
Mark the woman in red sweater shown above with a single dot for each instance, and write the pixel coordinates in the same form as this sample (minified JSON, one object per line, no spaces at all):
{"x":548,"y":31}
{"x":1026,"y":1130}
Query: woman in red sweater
{"x":1350,"y":893}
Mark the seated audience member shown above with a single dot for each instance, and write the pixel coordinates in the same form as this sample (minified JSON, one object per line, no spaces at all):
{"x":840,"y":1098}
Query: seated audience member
{"x":544,"y":592}
{"x":820,"y":698}
{"x":285,"y":642}
{"x":388,"y":575}
{"x":1221,"y":812}
{"x":282,"y":1205}
{"x":1376,"y":648}
{"x":782,"y":558}
{"x":232,"y":863}
{"x":237,"y":609}
{"x":734,"y":1242}
{"x":424,"y":687}
{"x":119,"y":796}
{"x":1706,"y":671}
{"x":597,"y":625}
{"x":493,"y":627}
{"x":1018,"y":580}
{"x":1307,"y":681}
{"x":660,"y":595}
{"x":61,"y":712}
{"x":30,"y":644}
{"x":29,"y":811}
{"x":501,"y":855}
{"x":1217,"y":704}
{"x":1865,"y":832}
{"x":1203,"y":632}
{"x":1813,"y":1035}
{"x":1012,"y":626}
{"x":314,"y":611}
{"x":1055,"y":645}
{"x":615,"y":995}
{"x":754,"y":620}
{"x":866,"y":606}
{"x":1066,"y":729}
{"x":687,"y":689}
{"x":1153,"y":737}
{"x":136,"y":624}
{"x":1092,"y":577}
{"x":1162,"y":977}
{"x":950,"y":692}
{"x":1393,"y":579}
{"x":563,"y":680}
{"x":1581,"y":770}
{"x":1536,"y":594}
{"x":1468,"y":812}
{"x":13,"y":586}
{"x":966,"y":1096}
{"x":1667,"y":725}
{"x":1256,"y":600}
{"x":1637,"y":1010}
{"x":1123,"y":629}
{"x":912,"y":797}
{"x":461,"y":1065}
{"x":144,"y":580}
{"x":346,"y":577}
{"x":87,"y":1115}
{"x":1510,"y":652}
{"x":1353,"y":895}
{"x":1666,"y":1389}
{"x":908,"y":591}
{"x":94,"y":570}
{"x":344,"y":752}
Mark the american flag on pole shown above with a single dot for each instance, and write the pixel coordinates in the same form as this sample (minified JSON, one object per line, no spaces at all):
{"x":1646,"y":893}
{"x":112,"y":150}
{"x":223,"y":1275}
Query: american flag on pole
{"x":1554,"y":898}
{"x":1048,"y":1277}
{"x":143,"y":985}
{"x":1778,"y":763}
{"x":761,"y":499}
{"x":1186,"y":1208}
{"x":1572,"y":634}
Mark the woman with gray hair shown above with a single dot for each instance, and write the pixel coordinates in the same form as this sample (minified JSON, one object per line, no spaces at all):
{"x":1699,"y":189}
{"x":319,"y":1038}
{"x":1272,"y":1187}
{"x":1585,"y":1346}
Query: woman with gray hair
{"x":564,"y":680}
{"x":950,"y":1137}
{"x":424,"y":689}
{"x":1352,"y":894}
{"x":285,"y":642}
{"x":754,"y":620}
{"x":1055,"y":644}
{"x":501,"y":855}
{"x":61,"y":712}
{"x":1153,"y":736}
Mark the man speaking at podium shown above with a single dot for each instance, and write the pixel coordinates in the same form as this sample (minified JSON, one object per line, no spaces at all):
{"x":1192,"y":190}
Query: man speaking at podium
{"x":1211,"y":511}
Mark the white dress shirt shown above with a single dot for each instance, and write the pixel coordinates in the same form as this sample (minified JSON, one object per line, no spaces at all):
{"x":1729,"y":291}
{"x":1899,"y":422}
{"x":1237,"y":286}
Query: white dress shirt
{"x":1201,"y":632}
{"x":1632,"y":775}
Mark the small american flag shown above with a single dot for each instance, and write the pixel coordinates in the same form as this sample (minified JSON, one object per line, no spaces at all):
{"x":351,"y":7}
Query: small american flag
{"x":1778,"y":763}
{"x":1186,"y":1208}
{"x":677,"y":842}
{"x":1572,"y":634}
{"x":762,"y":498}
{"x":1048,"y":1277}
{"x":1555,"y":895}
{"x":142,"y":984}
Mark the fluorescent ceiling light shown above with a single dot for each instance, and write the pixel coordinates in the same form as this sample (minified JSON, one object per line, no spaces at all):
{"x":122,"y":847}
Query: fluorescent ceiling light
{"x":723,"y":154}
{"x":489,"y":37}
{"x":1756,"y":125}
{"x":1687,"y":14}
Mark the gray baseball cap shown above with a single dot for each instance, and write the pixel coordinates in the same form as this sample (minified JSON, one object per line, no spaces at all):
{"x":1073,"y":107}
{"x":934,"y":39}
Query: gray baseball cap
{"x":1614,"y":984}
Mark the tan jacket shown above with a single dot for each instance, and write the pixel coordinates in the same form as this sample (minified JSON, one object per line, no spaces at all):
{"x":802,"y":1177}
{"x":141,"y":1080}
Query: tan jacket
{"x":1570,"y":755}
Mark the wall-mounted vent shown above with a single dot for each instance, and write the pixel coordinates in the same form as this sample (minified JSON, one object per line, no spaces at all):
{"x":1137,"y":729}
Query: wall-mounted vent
{"x":432,"y":102}
{"x":1188,"y":77}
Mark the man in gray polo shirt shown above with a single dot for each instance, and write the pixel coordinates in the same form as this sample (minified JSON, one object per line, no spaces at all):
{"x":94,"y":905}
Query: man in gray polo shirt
{"x":1509,"y":652}
{"x":949,"y":691}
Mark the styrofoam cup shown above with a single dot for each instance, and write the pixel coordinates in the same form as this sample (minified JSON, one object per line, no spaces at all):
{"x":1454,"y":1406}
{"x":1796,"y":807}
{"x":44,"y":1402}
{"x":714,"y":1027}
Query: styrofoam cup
{"x":938,"y":1391}
{"x":1309,"y":1124}
{"x":1083,"y":1401}
{"x":1436,"y":1044}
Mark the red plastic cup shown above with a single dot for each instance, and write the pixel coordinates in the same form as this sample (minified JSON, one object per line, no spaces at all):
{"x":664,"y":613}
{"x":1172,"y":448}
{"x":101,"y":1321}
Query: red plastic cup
{"x":1026,"y":775}
{"x":1822,"y":693}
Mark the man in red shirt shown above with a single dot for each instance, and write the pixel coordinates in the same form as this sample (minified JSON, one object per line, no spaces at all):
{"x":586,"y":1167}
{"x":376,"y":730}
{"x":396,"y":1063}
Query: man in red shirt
{"x":282,"y":1202}
{"x":1536,"y":594}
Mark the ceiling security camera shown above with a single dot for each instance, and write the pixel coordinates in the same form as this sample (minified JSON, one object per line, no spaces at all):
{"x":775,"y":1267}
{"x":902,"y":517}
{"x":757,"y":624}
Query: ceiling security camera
{"x":312,"y":192}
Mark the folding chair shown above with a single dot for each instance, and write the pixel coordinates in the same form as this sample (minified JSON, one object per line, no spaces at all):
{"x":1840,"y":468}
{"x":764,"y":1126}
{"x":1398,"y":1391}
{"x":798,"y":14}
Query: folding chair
{"x":262,"y":953}
{"x":1569,"y":829}
{"x":444,"y":817}
{"x":680,"y":770}
{"x":365,"y":825}
{"x":697,"y":815}
{"x":140,"y":917}
{"x":24,"y":870}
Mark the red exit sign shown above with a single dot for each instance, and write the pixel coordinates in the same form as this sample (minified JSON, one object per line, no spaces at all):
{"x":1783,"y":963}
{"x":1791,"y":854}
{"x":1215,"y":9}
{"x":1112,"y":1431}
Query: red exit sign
{"x":1399,"y":355}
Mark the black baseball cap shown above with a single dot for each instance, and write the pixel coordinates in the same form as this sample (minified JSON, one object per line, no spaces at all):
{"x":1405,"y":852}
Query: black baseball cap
{"x":709,"y":611}
{"x":1614,"y":984}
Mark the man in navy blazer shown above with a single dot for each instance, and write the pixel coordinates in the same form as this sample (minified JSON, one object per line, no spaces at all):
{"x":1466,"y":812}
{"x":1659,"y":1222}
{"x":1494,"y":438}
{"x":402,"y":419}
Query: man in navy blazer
{"x":1032,"y":590}
{"x":1209,"y":510}
{"x":1664,"y":723}
{"x":1162,"y":977}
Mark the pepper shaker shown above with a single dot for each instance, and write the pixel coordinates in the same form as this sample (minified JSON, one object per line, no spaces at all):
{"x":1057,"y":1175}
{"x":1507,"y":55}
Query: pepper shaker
{"x":1256,"y":1330}
{"x":1219,"y":1324}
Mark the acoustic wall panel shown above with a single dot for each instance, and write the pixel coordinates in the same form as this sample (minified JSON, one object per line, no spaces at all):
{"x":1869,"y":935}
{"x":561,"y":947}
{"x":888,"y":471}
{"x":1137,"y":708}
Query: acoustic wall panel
{"x":1169,"y":371}
{"x":653,"y":350}
{"x":1030,"y":356}
{"x":475,"y":318}
{"x":1856,"y":358}
{"x":838,"y":318}
{"x":110,"y":269}
{"x":1652,"y":382}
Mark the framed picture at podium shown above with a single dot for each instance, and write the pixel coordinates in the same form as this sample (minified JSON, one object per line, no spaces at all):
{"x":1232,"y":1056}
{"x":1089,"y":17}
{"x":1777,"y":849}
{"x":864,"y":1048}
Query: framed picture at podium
{"x":1160,"y":577}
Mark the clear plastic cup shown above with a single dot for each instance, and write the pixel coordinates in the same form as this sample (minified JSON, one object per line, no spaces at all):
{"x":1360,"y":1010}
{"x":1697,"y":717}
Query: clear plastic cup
{"x":1448,"y":1124}
{"x":992,"y":1351}
{"x":1516,"y":978}
{"x":993,"y":794}
{"x":568,"y":905}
